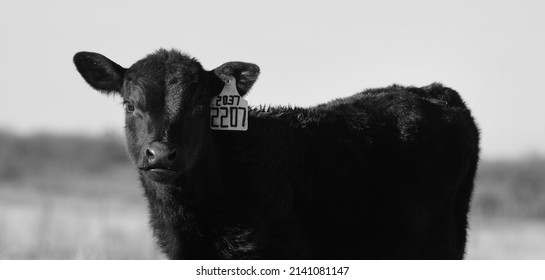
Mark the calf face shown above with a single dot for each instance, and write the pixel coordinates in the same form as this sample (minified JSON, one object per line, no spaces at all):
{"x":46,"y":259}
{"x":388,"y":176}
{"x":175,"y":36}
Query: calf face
{"x":166,"y":97}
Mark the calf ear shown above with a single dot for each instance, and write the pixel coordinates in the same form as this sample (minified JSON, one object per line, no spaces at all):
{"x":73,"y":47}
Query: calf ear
{"x":99,"y":72}
{"x":245,"y":73}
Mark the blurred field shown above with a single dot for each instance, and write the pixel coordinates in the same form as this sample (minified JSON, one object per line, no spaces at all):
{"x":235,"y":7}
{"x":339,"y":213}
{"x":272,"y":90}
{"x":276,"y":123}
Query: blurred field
{"x":104,"y":217}
{"x":507,"y":220}
{"x":71,"y":197}
{"x":503,"y":238}
{"x":64,"y":197}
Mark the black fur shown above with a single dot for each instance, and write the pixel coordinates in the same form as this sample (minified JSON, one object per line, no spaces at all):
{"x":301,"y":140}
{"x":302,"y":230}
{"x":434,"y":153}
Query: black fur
{"x":101,"y":73}
{"x":384,"y":174}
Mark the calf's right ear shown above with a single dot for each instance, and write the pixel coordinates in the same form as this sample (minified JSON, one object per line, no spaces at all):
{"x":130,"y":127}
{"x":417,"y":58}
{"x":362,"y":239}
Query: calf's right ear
{"x":100,"y":72}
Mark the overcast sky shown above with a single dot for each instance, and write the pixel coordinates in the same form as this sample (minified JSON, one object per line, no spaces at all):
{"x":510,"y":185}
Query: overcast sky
{"x":491,"y":52}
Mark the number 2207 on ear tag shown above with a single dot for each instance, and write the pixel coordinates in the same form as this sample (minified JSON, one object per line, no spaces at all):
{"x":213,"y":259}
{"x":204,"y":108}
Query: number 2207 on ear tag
{"x":228,"y":110}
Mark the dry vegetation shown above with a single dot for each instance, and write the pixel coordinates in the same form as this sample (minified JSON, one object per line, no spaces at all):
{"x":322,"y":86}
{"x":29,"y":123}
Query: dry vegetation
{"x":68,"y":197}
{"x":508,"y":210}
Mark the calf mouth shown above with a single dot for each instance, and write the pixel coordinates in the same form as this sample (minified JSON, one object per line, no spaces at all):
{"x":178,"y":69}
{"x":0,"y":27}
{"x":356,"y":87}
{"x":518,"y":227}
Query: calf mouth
{"x":160,"y":174}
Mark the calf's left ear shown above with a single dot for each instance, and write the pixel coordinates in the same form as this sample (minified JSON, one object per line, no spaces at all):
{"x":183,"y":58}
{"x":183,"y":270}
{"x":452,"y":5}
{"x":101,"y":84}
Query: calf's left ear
{"x":100,"y":72}
{"x":245,"y":73}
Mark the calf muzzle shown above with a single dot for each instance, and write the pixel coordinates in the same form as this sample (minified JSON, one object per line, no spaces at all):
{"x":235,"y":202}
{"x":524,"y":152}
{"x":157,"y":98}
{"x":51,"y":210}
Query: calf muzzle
{"x":160,"y":156}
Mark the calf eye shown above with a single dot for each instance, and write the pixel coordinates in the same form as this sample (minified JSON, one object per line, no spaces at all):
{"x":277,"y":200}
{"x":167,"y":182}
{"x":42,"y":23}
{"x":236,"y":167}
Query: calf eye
{"x":129,"y":107}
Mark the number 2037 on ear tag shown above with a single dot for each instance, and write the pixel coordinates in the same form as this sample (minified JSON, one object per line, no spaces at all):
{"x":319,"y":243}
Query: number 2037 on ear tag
{"x":228,"y":110}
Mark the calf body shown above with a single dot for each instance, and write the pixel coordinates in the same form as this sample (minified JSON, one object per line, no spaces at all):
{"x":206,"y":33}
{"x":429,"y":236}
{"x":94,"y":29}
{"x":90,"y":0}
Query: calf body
{"x":384,"y":174}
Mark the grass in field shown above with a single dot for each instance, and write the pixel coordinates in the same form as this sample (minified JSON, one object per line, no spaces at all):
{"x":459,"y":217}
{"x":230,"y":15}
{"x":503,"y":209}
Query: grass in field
{"x":506,"y":238}
{"x":105,"y":217}
{"x":100,"y":218}
{"x":74,"y":197}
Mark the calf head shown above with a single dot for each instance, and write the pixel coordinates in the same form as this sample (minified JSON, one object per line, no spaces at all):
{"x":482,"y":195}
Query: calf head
{"x":167,"y":98}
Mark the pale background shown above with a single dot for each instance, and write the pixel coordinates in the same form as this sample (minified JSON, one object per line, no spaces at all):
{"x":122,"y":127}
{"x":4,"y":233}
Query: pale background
{"x":491,"y":52}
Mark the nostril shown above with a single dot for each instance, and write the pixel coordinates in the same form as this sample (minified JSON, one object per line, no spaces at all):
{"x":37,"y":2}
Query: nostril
{"x":150,"y":152}
{"x":172,"y":156}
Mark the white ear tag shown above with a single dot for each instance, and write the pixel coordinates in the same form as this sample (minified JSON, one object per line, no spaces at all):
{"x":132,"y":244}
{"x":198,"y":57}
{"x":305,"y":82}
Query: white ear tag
{"x":228,"y":110}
